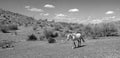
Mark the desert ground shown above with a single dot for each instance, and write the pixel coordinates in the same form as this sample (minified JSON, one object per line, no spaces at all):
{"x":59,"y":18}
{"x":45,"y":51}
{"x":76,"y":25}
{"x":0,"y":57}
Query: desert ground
{"x":107,"y":47}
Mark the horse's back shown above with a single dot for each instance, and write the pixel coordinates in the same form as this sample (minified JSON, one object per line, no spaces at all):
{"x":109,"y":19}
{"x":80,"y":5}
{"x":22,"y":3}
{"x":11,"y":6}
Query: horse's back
{"x":74,"y":36}
{"x":78,"y":35}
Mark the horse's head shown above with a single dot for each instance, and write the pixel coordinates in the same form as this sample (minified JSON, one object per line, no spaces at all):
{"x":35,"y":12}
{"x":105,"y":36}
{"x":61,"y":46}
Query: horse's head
{"x":69,"y":35}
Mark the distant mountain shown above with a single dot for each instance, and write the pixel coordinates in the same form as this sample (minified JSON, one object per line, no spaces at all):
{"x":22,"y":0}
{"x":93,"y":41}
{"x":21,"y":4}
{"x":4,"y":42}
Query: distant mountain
{"x":95,"y":20}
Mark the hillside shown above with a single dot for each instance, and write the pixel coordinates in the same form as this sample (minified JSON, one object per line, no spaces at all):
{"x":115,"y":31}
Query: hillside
{"x":8,"y":17}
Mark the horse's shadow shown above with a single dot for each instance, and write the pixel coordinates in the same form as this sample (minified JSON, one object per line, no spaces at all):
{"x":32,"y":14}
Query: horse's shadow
{"x":81,"y":46}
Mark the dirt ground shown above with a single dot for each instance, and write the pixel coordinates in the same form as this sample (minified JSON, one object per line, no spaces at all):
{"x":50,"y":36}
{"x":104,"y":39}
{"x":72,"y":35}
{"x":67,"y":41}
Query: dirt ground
{"x":103,"y":48}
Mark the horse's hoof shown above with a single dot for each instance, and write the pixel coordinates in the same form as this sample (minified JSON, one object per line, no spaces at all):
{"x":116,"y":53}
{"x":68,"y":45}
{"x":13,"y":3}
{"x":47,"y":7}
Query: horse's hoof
{"x":73,"y":47}
{"x":79,"y":46}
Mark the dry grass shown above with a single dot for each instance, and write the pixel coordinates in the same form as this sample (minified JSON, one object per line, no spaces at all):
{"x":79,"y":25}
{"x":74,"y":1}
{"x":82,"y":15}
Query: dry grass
{"x":103,"y":48}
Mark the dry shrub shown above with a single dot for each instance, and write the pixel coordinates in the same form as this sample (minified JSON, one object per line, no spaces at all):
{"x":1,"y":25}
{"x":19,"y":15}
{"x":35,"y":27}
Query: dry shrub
{"x":7,"y":44}
{"x":51,"y":40}
{"x":7,"y":28}
{"x":32,"y":37}
{"x":100,"y":30}
{"x":42,"y":38}
{"x":50,"y":35}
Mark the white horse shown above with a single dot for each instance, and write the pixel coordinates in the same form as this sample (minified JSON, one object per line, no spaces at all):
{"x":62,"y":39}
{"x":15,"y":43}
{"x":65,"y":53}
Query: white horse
{"x":75,"y":37}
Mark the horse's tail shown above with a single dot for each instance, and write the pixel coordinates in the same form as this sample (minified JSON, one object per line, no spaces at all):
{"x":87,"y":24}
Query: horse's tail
{"x":82,"y":39}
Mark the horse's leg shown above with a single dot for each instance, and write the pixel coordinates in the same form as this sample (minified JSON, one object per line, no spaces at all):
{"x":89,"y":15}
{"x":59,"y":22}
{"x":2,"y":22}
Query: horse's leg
{"x":74,"y":45}
{"x":79,"y":42}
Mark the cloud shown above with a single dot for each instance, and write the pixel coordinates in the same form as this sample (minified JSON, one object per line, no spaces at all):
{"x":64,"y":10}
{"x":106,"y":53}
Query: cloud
{"x":60,"y":15}
{"x":44,"y":14}
{"x":49,"y":6}
{"x":96,"y":21}
{"x":113,"y":17}
{"x":33,"y":9}
{"x":36,"y":10}
{"x":27,"y":6}
{"x":109,"y":12}
{"x":73,"y":10}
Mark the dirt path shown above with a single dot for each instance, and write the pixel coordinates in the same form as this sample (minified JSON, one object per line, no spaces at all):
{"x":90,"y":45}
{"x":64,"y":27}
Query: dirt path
{"x":106,"y":48}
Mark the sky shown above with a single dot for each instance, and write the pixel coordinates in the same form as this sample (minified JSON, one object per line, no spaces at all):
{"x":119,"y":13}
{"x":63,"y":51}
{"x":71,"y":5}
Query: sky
{"x":63,"y":10}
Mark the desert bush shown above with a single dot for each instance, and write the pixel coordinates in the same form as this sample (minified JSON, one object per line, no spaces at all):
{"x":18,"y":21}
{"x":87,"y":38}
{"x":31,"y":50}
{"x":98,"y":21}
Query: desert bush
{"x":50,"y":34}
{"x":47,"y":33}
{"x":35,"y":28}
{"x":7,"y":28}
{"x":101,"y":30}
{"x":42,"y":38}
{"x":4,"y":30}
{"x":110,"y":29}
{"x":32,"y":37}
{"x":58,"y":27}
{"x":87,"y":30}
{"x":7,"y":44}
{"x":51,"y":40}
